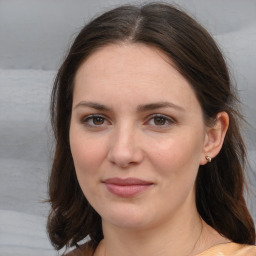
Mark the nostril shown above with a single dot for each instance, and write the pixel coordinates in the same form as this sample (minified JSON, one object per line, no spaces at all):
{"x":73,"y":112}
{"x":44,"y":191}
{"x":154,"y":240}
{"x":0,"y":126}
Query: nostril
{"x":124,"y":149}
{"x":125,"y":158}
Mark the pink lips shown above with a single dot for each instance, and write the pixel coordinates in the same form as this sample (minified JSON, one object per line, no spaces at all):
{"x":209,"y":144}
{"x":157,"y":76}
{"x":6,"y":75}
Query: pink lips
{"x":126,"y":187}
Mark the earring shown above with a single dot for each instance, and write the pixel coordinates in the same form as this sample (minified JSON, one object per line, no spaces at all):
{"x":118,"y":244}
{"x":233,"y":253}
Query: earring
{"x":209,"y":159}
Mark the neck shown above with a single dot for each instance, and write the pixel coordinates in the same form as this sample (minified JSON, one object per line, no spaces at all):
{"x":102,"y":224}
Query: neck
{"x":175,"y":237}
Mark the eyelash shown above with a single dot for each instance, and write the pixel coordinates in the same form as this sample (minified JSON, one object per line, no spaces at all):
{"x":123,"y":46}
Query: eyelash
{"x":91,"y":118}
{"x":167,"y":120}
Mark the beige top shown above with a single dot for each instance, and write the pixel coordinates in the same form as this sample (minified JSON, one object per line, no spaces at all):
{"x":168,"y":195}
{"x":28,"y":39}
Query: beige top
{"x":228,"y":249}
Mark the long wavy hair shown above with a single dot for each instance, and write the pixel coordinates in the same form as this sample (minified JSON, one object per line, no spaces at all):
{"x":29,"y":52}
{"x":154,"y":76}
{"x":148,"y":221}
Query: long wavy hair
{"x":219,"y":185}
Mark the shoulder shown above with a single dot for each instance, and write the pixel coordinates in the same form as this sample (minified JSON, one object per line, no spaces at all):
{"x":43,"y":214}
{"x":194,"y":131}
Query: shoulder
{"x":247,"y":250}
{"x":228,"y":249}
{"x":83,"y":250}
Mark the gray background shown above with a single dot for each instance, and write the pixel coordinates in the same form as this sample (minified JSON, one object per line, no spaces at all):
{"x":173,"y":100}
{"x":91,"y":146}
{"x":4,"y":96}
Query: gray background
{"x":34,"y":36}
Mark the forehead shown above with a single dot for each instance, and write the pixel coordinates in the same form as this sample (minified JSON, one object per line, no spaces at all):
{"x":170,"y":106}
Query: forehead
{"x":131,"y":70}
{"x":117,"y":60}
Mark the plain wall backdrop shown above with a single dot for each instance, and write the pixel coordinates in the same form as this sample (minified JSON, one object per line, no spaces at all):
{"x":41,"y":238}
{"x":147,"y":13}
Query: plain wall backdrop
{"x":34,"y":37}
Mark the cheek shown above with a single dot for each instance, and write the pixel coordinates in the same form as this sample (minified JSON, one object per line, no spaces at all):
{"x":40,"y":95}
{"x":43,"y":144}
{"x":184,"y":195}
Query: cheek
{"x":87,"y":152}
{"x":178,"y":154}
{"x":88,"y":155}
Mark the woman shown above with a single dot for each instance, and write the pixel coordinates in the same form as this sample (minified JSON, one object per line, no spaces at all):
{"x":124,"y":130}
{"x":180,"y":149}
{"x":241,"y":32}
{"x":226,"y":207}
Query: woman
{"x":149,"y":157}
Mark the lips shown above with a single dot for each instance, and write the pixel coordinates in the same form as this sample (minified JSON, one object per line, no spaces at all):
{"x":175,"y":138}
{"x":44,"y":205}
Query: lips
{"x":126,"y":187}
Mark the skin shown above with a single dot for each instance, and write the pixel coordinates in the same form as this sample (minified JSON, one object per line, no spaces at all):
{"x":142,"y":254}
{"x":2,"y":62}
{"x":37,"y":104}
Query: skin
{"x":163,"y":145}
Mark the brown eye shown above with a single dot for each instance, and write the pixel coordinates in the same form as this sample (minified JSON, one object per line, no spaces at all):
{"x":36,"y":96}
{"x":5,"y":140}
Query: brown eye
{"x":94,"y":121}
{"x":98,"y":120}
{"x":159,"y":120}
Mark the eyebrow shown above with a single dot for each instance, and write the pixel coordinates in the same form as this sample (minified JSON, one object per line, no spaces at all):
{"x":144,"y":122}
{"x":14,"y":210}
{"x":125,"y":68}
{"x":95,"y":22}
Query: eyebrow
{"x":153,"y":106}
{"x":140,"y":108}
{"x":92,"y":105}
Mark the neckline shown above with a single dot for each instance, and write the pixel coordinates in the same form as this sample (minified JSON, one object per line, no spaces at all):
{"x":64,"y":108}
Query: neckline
{"x":225,"y":246}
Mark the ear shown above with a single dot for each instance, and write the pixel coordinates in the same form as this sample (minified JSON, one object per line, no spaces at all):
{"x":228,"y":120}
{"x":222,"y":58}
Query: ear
{"x":214,"y":137}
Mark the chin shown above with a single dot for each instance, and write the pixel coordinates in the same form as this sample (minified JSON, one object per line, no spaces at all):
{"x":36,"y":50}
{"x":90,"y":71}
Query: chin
{"x":126,"y":217}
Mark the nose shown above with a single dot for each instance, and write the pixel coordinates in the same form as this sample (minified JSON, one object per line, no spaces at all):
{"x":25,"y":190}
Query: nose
{"x":125,"y":148}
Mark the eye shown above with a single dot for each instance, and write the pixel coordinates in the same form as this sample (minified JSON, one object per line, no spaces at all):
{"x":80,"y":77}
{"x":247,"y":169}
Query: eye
{"x":94,"y":120}
{"x":160,"y":120}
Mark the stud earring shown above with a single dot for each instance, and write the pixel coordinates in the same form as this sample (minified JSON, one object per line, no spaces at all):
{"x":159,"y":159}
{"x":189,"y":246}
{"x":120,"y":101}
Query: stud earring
{"x":209,"y":159}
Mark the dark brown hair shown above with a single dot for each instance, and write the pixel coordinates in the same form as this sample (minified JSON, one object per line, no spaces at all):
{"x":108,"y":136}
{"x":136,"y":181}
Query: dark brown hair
{"x":219,"y":185}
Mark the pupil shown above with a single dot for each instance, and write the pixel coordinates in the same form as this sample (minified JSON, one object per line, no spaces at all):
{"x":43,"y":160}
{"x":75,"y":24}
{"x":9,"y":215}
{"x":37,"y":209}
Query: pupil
{"x":98,"y":120}
{"x":159,"y":120}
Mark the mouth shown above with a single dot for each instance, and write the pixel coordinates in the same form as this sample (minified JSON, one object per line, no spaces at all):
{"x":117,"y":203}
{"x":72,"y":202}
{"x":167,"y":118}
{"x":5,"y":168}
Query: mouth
{"x":128,"y":187}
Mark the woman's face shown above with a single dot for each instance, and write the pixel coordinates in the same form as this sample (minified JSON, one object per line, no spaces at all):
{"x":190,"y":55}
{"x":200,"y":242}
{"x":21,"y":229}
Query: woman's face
{"x":137,"y":136}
